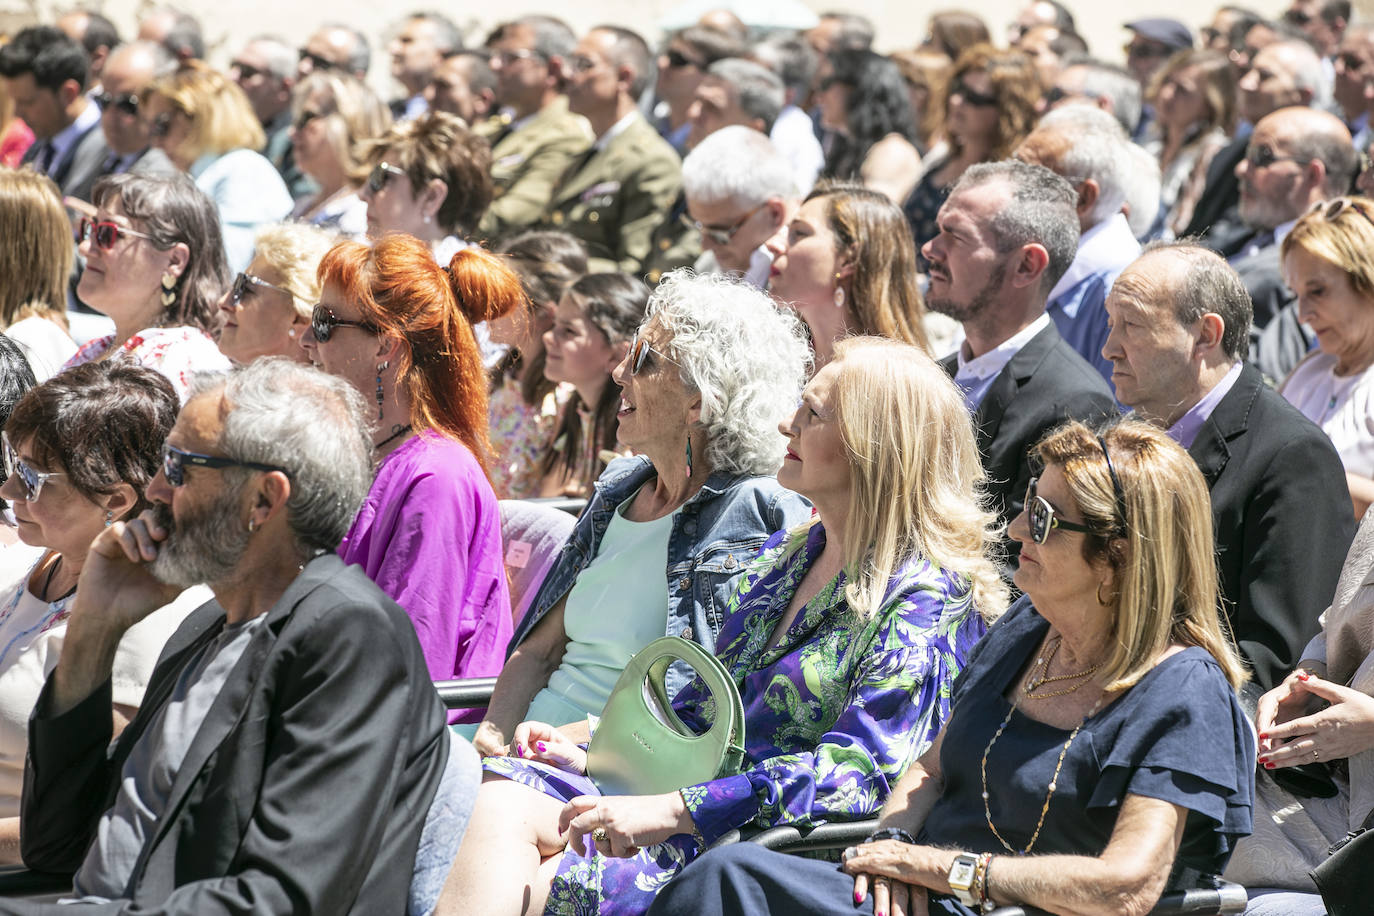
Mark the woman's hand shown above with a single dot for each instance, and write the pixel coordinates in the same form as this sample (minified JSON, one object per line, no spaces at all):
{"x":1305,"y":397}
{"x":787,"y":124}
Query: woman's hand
{"x":489,"y":742}
{"x":546,"y":744}
{"x":627,"y":822}
{"x":1341,"y":730}
{"x":898,"y":874}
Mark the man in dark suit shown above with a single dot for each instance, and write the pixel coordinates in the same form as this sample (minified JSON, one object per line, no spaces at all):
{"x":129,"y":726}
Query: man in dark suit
{"x":290,"y":744}
{"x":1283,"y":515}
{"x":45,"y":73}
{"x":130,"y":69}
{"x":1008,"y":232}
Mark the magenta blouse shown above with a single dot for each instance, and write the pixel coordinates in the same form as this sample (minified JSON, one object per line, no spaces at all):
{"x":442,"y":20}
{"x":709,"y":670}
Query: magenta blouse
{"x":429,"y":535}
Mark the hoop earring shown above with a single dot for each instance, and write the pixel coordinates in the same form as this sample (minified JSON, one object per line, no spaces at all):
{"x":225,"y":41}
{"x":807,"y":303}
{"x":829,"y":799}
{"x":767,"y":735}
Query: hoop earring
{"x":1106,"y":603}
{"x":381,"y":367}
{"x":169,"y":289}
{"x":252,"y":526}
{"x":689,"y":456}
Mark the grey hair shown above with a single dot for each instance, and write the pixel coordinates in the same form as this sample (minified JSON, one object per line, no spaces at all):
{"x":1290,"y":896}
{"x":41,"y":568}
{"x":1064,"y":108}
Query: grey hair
{"x":552,"y":36}
{"x":1307,"y":70}
{"x":737,"y":164}
{"x":1209,"y":284}
{"x":310,"y":424}
{"x":1042,"y":210}
{"x":855,"y":32}
{"x":792,"y":59}
{"x":758,"y":90}
{"x":281,"y":57}
{"x":1095,"y":150}
{"x":1332,"y":147}
{"x":1102,"y":80}
{"x":747,"y":358}
{"x":360,"y":55}
{"x":1142,"y":187}
{"x":447,"y":37}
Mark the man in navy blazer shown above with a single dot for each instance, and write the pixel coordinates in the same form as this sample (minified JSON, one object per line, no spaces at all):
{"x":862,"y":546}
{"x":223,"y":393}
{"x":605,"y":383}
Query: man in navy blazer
{"x":290,"y":742}
{"x":1284,"y":520}
{"x":1008,"y":232}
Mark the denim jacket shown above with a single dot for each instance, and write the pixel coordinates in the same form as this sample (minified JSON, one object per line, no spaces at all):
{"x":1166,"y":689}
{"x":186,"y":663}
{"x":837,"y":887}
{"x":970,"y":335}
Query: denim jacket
{"x":715,"y":534}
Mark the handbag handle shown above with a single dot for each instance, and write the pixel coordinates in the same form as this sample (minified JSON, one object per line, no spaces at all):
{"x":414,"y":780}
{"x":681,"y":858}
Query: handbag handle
{"x":660,"y":654}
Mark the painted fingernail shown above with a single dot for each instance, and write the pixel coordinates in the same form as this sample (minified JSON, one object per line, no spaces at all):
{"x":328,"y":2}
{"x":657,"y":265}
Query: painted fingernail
{"x":540,"y":746}
{"x":1303,"y":676}
{"x":1264,"y":736}
{"x":1268,"y":766}
{"x":519,"y":749}
{"x":858,"y":897}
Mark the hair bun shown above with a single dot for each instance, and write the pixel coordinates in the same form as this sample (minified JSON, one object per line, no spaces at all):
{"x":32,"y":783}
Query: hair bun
{"x":484,"y":285}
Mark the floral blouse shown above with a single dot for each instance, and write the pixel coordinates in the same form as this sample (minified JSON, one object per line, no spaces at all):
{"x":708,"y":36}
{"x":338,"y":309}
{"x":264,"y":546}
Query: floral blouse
{"x":520,"y":436}
{"x":178,"y":353}
{"x":841,"y":706}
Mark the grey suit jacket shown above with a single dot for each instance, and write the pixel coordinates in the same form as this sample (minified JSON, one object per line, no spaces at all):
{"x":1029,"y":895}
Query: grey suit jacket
{"x":304,"y":790}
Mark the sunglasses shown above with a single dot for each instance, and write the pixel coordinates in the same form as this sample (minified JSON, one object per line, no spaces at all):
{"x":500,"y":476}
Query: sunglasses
{"x":323,"y":322}
{"x":1296,"y":17}
{"x":31,"y":479}
{"x":316,"y":61}
{"x":1147,"y":50}
{"x":970,"y":96}
{"x":127,"y":102}
{"x":381,"y":174}
{"x":1261,"y":157}
{"x":1333,"y":209}
{"x":723,"y":235}
{"x":1041,"y":515}
{"x":243,"y":284}
{"x":639,"y":354}
{"x":103,"y":234}
{"x":174,"y":461}
{"x":677,"y":60}
{"x":246,"y":71}
{"x":305,"y":117}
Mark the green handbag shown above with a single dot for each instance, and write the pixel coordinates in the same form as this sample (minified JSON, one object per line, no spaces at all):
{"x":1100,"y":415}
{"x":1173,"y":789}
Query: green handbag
{"x":641,"y":747}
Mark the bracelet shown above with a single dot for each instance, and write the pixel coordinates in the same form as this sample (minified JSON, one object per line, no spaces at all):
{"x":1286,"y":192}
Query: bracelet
{"x":985,"y":903}
{"x":890,"y":833}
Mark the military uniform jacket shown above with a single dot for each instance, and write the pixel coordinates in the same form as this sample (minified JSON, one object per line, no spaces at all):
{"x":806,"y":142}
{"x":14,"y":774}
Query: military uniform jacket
{"x":615,"y":199}
{"x":675,"y":243}
{"x":527,"y":162}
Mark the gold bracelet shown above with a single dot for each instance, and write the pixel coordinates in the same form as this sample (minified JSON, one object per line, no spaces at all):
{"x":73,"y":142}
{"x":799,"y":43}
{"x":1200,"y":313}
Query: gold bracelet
{"x":985,"y":903}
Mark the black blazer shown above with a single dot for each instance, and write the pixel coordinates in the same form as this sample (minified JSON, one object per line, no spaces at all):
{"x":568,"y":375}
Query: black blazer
{"x":1283,"y":518}
{"x":1045,"y":384}
{"x":1263,"y":276}
{"x":304,"y":790}
{"x":1221,"y":193}
{"x":78,"y":170}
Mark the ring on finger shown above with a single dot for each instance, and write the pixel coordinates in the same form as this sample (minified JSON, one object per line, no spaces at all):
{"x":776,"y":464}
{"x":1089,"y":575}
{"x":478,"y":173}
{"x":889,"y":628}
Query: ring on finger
{"x":599,"y":835}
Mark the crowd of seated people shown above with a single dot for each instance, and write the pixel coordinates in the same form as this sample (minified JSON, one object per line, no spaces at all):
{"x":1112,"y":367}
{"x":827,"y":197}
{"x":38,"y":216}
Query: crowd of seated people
{"x":993,"y":408}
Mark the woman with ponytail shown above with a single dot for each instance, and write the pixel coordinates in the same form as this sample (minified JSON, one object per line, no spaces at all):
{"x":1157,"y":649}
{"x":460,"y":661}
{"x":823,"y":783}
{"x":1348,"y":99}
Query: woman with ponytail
{"x":398,"y":327}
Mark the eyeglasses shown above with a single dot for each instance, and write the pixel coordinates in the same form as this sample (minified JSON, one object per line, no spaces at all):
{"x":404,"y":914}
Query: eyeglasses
{"x":1147,"y":49}
{"x":639,"y":354}
{"x":581,"y":63}
{"x":971,"y":96}
{"x":1054,"y":95}
{"x":723,"y":235}
{"x":1332,"y":209}
{"x":241,"y":284}
{"x":1040,"y":513}
{"x":381,"y":174}
{"x":305,"y":117}
{"x":31,"y":479}
{"x":1297,"y":17}
{"x":174,"y":461}
{"x":247,"y":71}
{"x":677,"y":60}
{"x":103,"y":234}
{"x":1261,"y":157}
{"x":323,"y":323}
{"x":510,"y":58}
{"x":127,"y":102}
{"x":316,"y":61}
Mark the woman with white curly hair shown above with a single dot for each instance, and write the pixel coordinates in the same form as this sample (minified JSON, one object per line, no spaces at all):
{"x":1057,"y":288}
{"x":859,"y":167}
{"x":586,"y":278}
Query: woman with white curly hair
{"x":714,"y":368}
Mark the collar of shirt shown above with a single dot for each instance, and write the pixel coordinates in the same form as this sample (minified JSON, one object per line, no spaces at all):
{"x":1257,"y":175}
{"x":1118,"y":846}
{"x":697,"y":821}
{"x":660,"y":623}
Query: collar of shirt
{"x":760,"y":268}
{"x":995,"y":360}
{"x":66,"y":138}
{"x":1185,"y":428}
{"x":415,"y":106}
{"x":1282,"y":229}
{"x":616,"y":129}
{"x":1108,"y":246}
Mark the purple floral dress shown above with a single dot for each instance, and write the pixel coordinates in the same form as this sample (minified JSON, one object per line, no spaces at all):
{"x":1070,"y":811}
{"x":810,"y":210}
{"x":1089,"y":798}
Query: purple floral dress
{"x":834,"y":714}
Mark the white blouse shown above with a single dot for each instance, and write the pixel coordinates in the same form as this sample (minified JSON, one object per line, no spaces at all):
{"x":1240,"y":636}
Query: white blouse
{"x":1342,"y":405}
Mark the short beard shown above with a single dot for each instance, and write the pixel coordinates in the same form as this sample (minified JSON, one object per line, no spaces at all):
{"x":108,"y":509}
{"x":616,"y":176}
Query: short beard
{"x":967,"y":311}
{"x":206,"y":547}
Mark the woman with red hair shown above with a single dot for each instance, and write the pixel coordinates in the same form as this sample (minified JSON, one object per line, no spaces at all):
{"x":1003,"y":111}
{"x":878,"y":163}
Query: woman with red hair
{"x":398,"y":327}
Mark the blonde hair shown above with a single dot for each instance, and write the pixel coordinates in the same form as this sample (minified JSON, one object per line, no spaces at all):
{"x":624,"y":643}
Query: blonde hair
{"x":1165,"y":564}
{"x":221,"y":117}
{"x":355,"y":116}
{"x":36,"y":258}
{"x":295,"y":250}
{"x":1346,"y":240}
{"x":916,"y":476}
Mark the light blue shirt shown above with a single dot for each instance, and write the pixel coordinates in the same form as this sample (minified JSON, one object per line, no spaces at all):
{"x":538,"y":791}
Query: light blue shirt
{"x":975,"y":376}
{"x":248,"y":192}
{"x":1185,"y":428}
{"x":1077,"y":304}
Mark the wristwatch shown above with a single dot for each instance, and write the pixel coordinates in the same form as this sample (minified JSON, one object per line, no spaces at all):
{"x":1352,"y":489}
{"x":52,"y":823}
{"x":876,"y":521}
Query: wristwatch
{"x":962,"y":875}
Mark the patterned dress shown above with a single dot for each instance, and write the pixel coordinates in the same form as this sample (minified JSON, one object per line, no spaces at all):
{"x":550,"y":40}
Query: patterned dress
{"x":834,"y":714}
{"x":520,"y":437}
{"x":178,"y":353}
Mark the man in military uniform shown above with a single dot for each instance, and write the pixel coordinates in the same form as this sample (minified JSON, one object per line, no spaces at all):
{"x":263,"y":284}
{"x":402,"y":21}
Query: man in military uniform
{"x":535,"y":138}
{"x":614,"y":195}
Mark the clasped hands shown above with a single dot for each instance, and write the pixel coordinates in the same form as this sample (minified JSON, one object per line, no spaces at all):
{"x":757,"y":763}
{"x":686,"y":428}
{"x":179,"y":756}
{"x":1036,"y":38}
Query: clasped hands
{"x":1294,"y":729}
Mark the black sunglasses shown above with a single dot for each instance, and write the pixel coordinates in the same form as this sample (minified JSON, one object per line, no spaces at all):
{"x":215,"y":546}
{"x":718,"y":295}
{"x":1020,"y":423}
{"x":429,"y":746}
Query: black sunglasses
{"x":242,"y":284}
{"x":1261,"y":157}
{"x":174,"y":461}
{"x":971,"y":96}
{"x":639,"y":354}
{"x":381,"y":174}
{"x":316,"y":61}
{"x":323,"y":322}
{"x":126,"y":102}
{"x":677,"y":59}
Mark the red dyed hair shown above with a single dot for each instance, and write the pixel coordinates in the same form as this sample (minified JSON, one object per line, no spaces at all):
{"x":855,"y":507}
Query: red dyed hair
{"x":398,"y":286}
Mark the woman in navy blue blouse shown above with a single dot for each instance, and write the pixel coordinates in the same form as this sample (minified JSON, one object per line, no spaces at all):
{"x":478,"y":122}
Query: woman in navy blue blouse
{"x":1095,"y":747}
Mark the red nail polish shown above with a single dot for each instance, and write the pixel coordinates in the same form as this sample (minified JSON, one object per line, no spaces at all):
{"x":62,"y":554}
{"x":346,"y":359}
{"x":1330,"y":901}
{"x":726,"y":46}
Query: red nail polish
{"x":1303,"y":676}
{"x":1264,"y":736}
{"x":1268,"y":766}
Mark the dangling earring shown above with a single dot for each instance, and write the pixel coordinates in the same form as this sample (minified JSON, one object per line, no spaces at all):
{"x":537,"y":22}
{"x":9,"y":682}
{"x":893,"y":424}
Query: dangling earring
{"x":109,"y":518}
{"x":169,"y":289}
{"x":381,"y":367}
{"x":839,"y":293}
{"x":689,"y":456}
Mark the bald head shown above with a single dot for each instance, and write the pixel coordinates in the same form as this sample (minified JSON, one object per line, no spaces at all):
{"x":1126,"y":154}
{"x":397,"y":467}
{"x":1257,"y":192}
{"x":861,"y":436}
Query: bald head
{"x":1282,"y":74}
{"x":1295,"y":158}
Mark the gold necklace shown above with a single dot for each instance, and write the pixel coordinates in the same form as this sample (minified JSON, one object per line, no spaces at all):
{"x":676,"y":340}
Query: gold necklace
{"x":1054,"y":780}
{"x":1042,"y":664}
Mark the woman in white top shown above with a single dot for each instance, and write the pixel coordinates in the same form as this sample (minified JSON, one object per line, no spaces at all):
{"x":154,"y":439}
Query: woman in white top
{"x":155,"y":266}
{"x":79,"y":451}
{"x":35,"y":262}
{"x":1328,"y":261}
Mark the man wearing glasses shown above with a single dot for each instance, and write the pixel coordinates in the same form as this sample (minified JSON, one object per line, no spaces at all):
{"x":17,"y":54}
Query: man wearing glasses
{"x":1180,"y":321}
{"x":290,"y":746}
{"x":129,"y":70}
{"x":534,"y":138}
{"x":266,"y":72}
{"x":1153,"y":41}
{"x":1296,"y":157}
{"x":335,"y":47}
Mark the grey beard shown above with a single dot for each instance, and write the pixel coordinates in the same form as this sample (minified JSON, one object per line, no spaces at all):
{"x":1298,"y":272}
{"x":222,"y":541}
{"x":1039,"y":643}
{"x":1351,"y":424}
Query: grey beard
{"x":205,"y":547}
